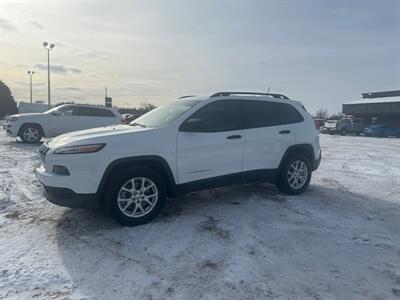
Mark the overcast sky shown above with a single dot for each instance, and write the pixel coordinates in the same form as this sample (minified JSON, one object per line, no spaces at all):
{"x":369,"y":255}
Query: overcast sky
{"x":322,"y":53}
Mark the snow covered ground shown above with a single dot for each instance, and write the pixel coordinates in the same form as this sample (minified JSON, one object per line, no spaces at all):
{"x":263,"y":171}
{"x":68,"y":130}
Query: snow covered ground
{"x":339,"y":240}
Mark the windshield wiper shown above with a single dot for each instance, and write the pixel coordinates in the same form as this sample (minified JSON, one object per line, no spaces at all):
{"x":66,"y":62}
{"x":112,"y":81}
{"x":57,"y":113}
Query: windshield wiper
{"x":138,"y":124}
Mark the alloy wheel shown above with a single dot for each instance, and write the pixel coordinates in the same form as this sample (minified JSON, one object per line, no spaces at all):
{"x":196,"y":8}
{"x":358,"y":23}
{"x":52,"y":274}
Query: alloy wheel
{"x":137,"y":197}
{"x":297,"y":174}
{"x":31,"y":134}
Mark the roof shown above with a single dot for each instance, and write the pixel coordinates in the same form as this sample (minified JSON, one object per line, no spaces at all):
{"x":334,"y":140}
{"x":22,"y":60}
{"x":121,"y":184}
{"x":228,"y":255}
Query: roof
{"x":241,"y":95}
{"x":374,"y":100}
{"x":395,"y":93}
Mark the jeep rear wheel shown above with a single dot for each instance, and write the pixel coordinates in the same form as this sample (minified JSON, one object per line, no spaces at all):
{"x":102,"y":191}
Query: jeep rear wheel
{"x":135,"y":196}
{"x":30,"y":133}
{"x":295,"y":175}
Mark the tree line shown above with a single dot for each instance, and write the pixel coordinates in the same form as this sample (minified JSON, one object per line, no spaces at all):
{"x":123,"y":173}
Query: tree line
{"x":8,"y":106}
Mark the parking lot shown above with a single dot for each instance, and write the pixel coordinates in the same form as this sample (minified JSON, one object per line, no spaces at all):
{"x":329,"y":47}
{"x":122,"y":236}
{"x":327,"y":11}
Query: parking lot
{"x":338,"y":240}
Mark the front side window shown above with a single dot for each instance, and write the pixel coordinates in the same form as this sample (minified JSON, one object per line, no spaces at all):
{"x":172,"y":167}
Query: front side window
{"x":66,"y":110}
{"x":165,"y":114}
{"x":218,"y":116}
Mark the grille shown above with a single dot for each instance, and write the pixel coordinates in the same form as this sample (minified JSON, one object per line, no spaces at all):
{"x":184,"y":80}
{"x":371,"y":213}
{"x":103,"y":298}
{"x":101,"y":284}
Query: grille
{"x":43,"y":150}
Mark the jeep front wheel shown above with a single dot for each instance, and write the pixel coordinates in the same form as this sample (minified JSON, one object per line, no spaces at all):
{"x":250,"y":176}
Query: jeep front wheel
{"x":295,"y":175}
{"x":136,"y":196}
{"x":30,"y":134}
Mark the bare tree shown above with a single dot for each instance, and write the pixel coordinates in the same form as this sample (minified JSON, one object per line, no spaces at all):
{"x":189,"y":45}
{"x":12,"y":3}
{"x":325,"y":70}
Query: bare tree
{"x":321,"y":114}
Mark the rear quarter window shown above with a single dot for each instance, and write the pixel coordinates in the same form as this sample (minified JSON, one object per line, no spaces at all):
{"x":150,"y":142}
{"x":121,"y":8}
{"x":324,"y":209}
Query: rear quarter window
{"x":289,"y":114}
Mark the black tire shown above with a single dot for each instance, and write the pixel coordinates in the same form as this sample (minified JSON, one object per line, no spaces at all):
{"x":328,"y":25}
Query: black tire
{"x":331,"y":132}
{"x":33,"y":128}
{"x":343,"y":131}
{"x":118,"y":180}
{"x":282,"y":182}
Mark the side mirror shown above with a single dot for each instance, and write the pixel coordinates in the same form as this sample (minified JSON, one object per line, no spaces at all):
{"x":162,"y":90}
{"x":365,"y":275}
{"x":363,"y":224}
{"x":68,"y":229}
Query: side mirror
{"x":193,"y":125}
{"x":56,"y":113}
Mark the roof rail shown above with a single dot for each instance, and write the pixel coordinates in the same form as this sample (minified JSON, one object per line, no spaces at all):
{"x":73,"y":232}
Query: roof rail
{"x":219,"y":94}
{"x":187,"y":96}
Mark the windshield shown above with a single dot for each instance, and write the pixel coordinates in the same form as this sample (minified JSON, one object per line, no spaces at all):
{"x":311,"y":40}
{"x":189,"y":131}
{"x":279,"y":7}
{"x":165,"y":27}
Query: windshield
{"x":51,"y":110}
{"x":165,"y":114}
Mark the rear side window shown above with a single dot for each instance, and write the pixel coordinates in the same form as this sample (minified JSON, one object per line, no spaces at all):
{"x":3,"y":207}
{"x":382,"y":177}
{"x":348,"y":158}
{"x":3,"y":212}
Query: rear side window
{"x":218,"y":116}
{"x":289,"y":114}
{"x":93,"y":112}
{"x":260,"y":114}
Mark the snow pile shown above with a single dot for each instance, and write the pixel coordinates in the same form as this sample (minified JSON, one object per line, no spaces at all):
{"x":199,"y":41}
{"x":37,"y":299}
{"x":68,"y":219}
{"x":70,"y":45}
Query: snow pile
{"x":340,"y":239}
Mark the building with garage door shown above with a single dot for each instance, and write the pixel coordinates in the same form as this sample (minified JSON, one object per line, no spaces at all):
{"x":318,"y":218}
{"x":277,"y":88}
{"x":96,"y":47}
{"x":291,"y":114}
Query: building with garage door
{"x":376,"y":107}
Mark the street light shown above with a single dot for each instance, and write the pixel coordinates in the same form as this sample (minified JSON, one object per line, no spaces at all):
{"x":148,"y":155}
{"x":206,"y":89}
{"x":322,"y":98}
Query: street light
{"x":48,"y":47}
{"x":31,"y":72}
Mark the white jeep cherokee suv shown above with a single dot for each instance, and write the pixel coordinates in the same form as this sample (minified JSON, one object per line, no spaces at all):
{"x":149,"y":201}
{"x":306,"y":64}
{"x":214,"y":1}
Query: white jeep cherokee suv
{"x":191,"y":144}
{"x":31,"y":127}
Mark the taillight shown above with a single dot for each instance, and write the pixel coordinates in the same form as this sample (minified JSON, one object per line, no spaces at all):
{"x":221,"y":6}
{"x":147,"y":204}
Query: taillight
{"x":317,"y":124}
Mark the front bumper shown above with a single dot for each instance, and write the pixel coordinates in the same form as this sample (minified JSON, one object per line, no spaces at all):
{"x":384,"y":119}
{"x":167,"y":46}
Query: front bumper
{"x":10,"y":130}
{"x":328,"y":130}
{"x":68,"y":198}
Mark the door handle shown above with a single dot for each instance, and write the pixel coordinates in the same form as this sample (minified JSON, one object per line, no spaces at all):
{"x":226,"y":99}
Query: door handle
{"x":284,"y":132}
{"x":234,"y":137}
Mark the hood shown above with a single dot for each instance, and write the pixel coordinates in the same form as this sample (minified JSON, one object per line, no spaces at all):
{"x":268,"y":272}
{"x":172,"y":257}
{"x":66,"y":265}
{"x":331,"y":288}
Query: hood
{"x":27,"y":115}
{"x":93,"y":135}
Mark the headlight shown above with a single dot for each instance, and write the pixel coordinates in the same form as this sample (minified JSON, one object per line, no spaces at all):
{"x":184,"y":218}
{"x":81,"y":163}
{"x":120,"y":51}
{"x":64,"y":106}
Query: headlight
{"x":13,"y":118}
{"x":80,"y":149}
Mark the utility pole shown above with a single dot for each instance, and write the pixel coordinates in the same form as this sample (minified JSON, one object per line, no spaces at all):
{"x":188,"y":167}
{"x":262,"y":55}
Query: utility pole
{"x":48,"y":47}
{"x":30,"y":72}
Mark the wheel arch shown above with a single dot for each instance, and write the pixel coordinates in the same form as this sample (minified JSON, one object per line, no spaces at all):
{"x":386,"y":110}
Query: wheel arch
{"x":304,"y":149}
{"x":157,"y":163}
{"x":38,"y":125}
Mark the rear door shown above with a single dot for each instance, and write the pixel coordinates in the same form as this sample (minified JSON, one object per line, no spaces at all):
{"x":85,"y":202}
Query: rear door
{"x":215,"y":147}
{"x":266,"y":137}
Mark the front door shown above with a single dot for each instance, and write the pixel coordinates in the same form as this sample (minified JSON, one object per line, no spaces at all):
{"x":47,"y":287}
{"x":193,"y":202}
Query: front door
{"x":63,"y":120}
{"x":209,"y":143}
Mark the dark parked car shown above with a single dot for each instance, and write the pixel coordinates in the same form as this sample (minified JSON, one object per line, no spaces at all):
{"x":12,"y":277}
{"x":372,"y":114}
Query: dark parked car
{"x":349,"y":126}
{"x":381,"y":130}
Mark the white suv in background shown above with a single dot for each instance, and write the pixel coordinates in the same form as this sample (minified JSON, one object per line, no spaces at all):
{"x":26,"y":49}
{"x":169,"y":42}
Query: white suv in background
{"x":31,"y":127}
{"x":191,"y":144}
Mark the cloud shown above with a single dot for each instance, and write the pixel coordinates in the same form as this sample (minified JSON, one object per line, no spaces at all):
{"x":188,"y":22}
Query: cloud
{"x":36,"y":24}
{"x":7,"y":25}
{"x":2,"y":62}
{"x":23,"y":83}
{"x":22,"y":66}
{"x":70,"y":88}
{"x":59,"y":69}
{"x":94,"y":75}
{"x":95,"y":54}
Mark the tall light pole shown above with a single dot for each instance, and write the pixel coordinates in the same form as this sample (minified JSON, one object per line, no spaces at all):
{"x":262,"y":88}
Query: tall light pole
{"x":48,"y":47}
{"x":31,"y":72}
